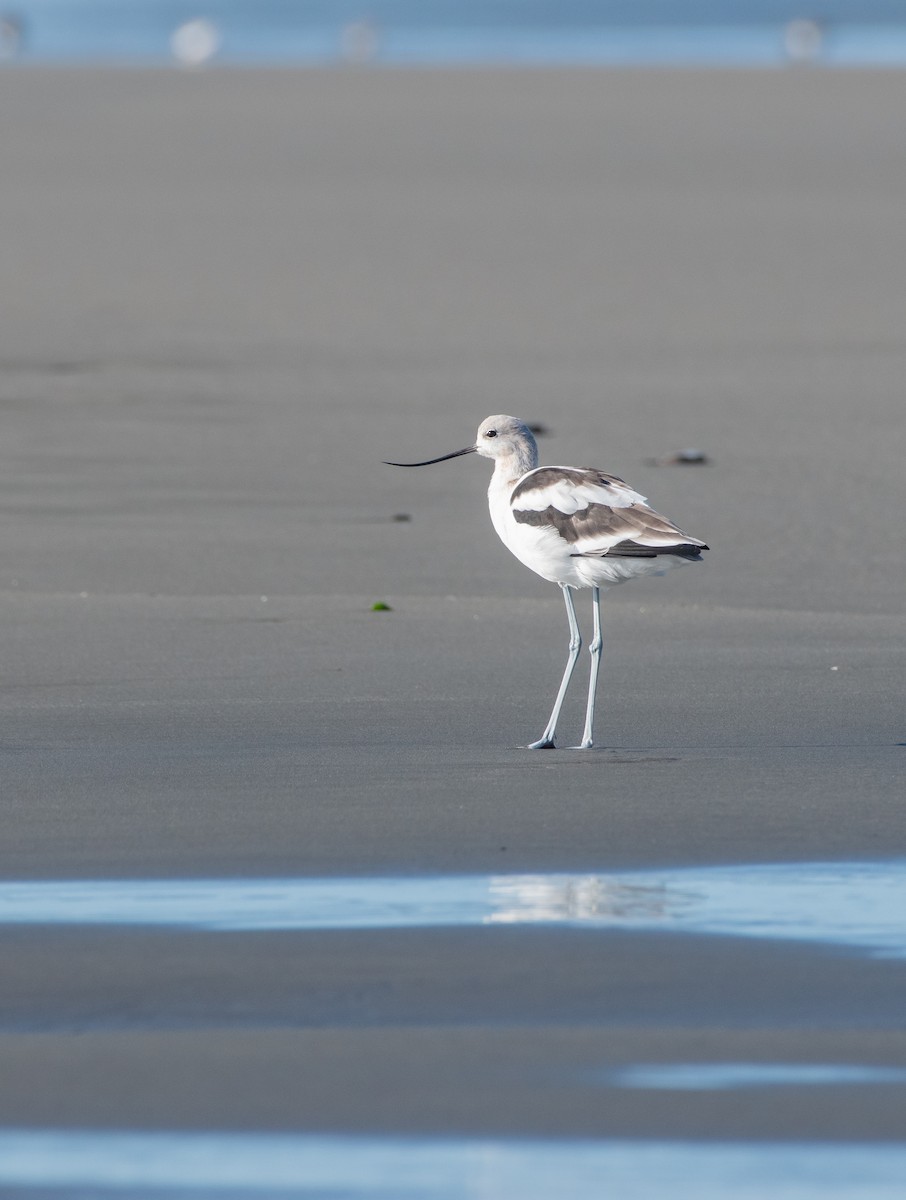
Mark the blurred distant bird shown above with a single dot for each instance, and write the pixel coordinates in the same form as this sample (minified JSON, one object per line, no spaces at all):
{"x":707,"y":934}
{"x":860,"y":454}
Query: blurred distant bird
{"x":195,"y":42}
{"x":575,"y":526}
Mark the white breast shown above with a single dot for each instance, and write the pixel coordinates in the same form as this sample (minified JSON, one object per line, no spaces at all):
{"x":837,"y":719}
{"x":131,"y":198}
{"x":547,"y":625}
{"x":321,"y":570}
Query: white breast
{"x":541,"y":550}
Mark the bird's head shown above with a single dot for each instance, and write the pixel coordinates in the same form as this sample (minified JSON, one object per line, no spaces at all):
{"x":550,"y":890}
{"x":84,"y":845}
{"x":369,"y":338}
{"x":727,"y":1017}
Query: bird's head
{"x":505,"y":437}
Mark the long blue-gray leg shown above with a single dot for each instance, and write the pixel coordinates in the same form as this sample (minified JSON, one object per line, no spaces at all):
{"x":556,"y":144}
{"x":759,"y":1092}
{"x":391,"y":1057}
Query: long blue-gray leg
{"x":546,"y":741}
{"x":595,"y":651}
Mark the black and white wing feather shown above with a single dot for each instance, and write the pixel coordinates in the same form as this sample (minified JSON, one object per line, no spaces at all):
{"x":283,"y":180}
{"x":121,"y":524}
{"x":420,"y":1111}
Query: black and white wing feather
{"x":598,"y":515}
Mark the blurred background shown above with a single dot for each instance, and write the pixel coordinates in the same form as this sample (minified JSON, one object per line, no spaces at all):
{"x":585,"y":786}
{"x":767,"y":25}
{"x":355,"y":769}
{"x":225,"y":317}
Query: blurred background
{"x":228,"y":288}
{"x":449,"y":31}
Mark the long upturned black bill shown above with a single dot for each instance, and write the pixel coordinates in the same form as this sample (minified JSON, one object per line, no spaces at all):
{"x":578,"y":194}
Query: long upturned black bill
{"x":429,"y":461}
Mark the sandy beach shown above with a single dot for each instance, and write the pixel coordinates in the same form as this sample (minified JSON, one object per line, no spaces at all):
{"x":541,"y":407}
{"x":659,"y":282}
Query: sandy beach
{"x":229,"y":296}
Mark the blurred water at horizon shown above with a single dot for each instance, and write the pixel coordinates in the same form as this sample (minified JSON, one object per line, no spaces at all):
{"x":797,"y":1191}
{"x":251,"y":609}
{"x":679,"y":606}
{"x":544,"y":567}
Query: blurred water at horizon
{"x":449,"y":32}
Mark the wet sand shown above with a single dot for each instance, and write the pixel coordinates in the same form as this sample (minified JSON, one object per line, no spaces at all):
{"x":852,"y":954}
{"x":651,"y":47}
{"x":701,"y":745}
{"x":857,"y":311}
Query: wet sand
{"x":235,"y":293}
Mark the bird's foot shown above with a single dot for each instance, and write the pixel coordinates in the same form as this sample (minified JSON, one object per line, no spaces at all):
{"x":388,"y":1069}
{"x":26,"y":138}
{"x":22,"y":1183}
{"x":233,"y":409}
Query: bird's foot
{"x":585,"y":744}
{"x":545,"y":743}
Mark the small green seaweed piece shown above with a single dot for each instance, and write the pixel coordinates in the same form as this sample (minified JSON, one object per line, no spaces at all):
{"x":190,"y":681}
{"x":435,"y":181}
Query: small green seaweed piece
{"x":380,"y":606}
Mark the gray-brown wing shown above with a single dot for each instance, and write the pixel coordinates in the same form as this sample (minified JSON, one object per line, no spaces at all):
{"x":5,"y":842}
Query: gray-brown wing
{"x":597,"y":515}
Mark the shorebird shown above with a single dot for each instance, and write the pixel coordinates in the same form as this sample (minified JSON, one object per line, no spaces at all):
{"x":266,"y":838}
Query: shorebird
{"x":577,"y":527}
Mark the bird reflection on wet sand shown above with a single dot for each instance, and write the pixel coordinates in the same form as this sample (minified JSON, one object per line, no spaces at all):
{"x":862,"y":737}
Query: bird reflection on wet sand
{"x":526,"y":898}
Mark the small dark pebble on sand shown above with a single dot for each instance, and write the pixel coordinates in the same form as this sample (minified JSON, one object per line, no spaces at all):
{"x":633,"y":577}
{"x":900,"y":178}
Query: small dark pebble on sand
{"x":682,"y":458}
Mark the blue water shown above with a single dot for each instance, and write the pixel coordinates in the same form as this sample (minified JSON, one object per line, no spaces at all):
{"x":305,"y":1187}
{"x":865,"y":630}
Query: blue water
{"x":319,"y":32}
{"x":79,"y":1164}
{"x":720,"y":1076}
{"x":860,"y":904}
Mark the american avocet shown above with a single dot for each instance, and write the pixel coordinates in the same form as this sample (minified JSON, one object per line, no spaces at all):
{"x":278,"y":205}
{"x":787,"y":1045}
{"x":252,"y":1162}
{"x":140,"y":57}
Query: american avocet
{"x":578,"y":528}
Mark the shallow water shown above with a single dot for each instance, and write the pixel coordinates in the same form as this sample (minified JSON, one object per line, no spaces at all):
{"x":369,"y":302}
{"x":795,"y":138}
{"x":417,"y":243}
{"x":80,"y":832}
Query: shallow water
{"x":702,"y":1077}
{"x":367,"y":1168}
{"x":856,"y":904}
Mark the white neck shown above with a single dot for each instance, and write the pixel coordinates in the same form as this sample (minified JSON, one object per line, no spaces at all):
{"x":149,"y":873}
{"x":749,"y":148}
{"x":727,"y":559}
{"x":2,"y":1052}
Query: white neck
{"x":509,"y":469}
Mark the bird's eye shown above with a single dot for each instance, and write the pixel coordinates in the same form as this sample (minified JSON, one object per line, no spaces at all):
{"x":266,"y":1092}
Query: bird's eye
{"x":490,"y":433}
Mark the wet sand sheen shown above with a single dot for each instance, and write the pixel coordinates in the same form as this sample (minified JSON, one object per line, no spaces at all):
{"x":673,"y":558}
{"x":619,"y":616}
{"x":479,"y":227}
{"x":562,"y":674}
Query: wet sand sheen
{"x":444,"y":1170}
